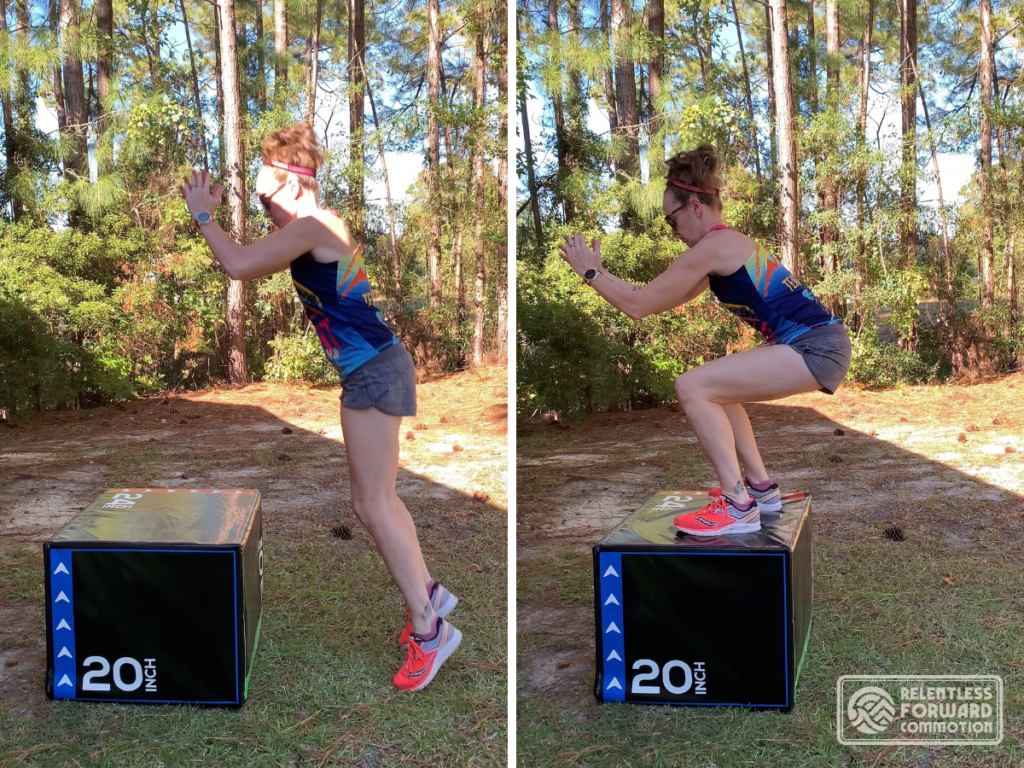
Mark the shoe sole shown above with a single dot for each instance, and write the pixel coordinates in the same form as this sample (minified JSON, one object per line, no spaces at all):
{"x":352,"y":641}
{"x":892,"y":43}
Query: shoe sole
{"x":772,"y":508}
{"x":734,"y":528}
{"x":442,"y":610}
{"x":442,"y":656}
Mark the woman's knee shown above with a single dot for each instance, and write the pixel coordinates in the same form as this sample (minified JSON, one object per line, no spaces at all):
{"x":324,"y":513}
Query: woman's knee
{"x":373,"y":509}
{"x":688,"y":390}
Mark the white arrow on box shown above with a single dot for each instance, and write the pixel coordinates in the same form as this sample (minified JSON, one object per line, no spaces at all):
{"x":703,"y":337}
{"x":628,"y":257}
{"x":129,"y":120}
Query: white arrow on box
{"x":614,"y":655}
{"x":61,"y":569}
{"x":64,"y":652}
{"x":63,"y":624}
{"x":63,"y":597}
{"x":614,"y":684}
{"x":611,"y":571}
{"x":65,"y":681}
{"x":611,"y":599}
{"x":612,"y":628}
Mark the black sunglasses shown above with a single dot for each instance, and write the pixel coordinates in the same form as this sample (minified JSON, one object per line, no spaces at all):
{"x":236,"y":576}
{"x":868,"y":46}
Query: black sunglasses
{"x":668,"y":217}
{"x":265,"y":199}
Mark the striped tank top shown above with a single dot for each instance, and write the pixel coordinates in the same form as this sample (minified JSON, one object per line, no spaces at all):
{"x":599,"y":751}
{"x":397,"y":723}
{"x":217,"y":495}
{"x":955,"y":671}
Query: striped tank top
{"x":763,"y":293}
{"x":337,"y":301}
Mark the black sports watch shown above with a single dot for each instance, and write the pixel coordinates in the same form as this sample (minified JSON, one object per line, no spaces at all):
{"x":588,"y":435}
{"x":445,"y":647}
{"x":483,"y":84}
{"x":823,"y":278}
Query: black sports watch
{"x":590,"y":275}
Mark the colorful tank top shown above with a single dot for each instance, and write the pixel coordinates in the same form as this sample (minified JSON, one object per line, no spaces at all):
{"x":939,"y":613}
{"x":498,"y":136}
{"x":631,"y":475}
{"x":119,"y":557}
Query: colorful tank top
{"x":763,"y":293}
{"x":337,"y":301}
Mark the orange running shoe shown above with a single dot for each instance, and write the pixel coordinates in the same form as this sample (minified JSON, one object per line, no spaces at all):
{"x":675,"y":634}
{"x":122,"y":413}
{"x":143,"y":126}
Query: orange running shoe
{"x":442,"y":602}
{"x":720,"y":518}
{"x":769,"y":500}
{"x":424,"y":657}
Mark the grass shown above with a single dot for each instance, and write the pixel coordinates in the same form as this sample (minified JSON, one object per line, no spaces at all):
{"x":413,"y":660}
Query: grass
{"x":320,"y":692}
{"x":875,"y":612}
{"x":947,"y":600}
{"x":321,"y":689}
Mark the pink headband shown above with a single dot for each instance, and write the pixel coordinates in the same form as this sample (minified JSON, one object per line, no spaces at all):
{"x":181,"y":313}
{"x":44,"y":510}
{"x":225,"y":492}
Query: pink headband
{"x":694,"y":189}
{"x":293,"y":168}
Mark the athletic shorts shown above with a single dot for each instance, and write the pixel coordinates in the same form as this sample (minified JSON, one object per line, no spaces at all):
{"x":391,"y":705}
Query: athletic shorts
{"x":386,"y":382}
{"x":826,"y":351}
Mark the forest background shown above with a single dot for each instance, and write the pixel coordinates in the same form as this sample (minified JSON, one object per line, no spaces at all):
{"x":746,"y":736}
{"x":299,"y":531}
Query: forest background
{"x":106,"y":288}
{"x":834,"y":120}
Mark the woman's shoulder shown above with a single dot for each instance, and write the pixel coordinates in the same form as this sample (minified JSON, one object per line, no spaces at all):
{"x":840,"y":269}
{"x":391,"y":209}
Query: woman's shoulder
{"x":727,"y":251}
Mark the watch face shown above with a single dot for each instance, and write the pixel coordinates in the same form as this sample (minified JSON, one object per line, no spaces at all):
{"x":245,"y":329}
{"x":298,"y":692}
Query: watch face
{"x":204,"y":217}
{"x":590,"y":274}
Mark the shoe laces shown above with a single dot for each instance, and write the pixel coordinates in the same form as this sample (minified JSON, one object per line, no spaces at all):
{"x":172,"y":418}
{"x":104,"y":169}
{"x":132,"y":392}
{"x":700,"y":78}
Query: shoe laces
{"x":719,"y":505}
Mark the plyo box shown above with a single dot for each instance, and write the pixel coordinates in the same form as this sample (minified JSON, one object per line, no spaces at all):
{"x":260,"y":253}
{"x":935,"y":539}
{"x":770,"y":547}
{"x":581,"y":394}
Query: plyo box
{"x":155,"y":596}
{"x":716,"y":621}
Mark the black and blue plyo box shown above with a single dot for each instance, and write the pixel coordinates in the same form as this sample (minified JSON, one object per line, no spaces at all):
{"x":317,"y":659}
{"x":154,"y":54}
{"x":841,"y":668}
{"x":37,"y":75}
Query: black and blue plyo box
{"x":155,"y":596}
{"x":718,"y":621}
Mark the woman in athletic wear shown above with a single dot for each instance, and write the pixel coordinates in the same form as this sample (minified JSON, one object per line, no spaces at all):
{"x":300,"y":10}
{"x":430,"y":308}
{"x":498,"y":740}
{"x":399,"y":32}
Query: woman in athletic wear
{"x":808,"y":348}
{"x":376,"y":371}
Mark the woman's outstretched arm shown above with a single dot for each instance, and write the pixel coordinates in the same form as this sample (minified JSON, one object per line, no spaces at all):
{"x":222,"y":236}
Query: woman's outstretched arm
{"x":685,"y":279}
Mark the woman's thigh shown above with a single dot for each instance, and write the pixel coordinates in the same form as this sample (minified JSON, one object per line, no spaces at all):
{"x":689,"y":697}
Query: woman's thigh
{"x":755,"y":375}
{"x":371,"y":447}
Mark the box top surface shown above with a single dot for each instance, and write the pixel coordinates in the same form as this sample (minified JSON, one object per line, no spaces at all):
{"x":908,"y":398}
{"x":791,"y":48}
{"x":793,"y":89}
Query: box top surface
{"x":164,"y":516}
{"x":653,"y":524}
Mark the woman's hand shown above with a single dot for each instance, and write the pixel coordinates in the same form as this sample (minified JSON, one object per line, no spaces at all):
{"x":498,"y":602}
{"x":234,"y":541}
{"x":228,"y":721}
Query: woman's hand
{"x":198,"y":196}
{"x":580,"y":257}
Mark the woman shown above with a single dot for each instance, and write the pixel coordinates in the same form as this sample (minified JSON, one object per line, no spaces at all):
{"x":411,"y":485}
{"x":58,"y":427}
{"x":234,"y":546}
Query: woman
{"x":808,"y":349}
{"x":376,"y":371}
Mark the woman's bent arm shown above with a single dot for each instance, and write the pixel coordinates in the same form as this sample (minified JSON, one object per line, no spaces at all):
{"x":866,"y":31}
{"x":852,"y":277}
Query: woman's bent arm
{"x":269,"y":254}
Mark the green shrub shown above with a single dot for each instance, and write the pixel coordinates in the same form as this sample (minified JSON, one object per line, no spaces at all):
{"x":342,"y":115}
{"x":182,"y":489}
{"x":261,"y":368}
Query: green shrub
{"x":300,"y":357}
{"x":878,"y":365}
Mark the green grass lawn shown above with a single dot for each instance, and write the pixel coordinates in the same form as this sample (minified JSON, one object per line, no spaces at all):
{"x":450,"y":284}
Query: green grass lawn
{"x":320,"y":692}
{"x":878,"y":609}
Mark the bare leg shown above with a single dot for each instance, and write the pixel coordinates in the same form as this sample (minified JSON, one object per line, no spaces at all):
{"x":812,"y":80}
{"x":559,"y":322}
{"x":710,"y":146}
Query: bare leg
{"x":404,"y":513}
{"x":746,"y":446}
{"x":371,"y":442}
{"x":763,"y":373}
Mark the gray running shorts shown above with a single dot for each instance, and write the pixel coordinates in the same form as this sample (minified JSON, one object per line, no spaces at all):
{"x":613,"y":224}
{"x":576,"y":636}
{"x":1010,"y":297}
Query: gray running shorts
{"x":386,"y":382}
{"x":826,"y":351}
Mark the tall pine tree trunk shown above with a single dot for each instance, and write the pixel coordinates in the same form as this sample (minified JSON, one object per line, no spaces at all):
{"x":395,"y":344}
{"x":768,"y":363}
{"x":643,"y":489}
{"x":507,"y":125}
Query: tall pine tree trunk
{"x":789,"y":199}
{"x":830,"y":186}
{"x":219,"y":77}
{"x":812,"y":57}
{"x":908,"y":99}
{"x":434,"y":151}
{"x":531,"y":178}
{"x":984,"y":188}
{"x":75,"y":163}
{"x":10,"y":146}
{"x":356,"y":149}
{"x":314,"y":64}
{"x":201,"y":127}
{"x":503,"y":205}
{"x":561,"y":141}
{"x":261,"y":63}
{"x":104,"y":11}
{"x":628,"y":165}
{"x":479,"y":69}
{"x":864,"y":83}
{"x":609,"y":77}
{"x":396,"y":262}
{"x":234,"y":186}
{"x":58,"y":80}
{"x":656,"y":71}
{"x":280,"y":53}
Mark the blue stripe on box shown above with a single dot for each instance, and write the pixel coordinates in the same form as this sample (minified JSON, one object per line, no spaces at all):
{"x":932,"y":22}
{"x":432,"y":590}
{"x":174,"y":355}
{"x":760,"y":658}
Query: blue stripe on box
{"x":610,"y":621}
{"x":65,"y":684}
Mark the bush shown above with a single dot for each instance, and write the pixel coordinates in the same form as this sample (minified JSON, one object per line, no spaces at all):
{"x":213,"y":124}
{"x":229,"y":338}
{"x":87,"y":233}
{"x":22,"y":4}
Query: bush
{"x":879,"y":365}
{"x":300,"y":357}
